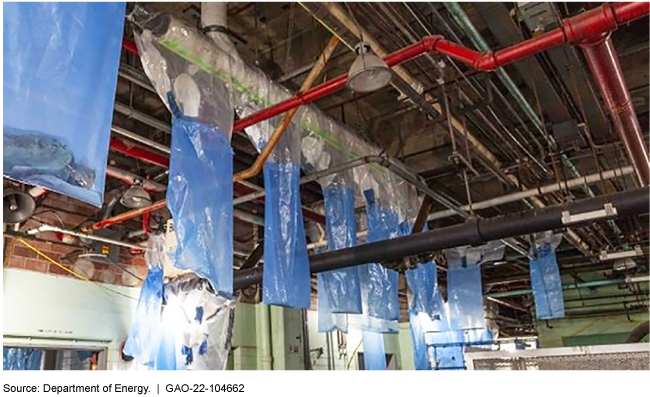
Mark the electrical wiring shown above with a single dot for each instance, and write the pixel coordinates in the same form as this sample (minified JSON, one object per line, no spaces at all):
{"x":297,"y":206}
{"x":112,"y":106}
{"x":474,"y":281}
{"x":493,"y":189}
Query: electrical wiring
{"x":79,"y":276}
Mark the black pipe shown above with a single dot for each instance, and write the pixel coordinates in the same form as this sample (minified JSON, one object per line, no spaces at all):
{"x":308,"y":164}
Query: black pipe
{"x":473,"y":232}
{"x":638,"y":333}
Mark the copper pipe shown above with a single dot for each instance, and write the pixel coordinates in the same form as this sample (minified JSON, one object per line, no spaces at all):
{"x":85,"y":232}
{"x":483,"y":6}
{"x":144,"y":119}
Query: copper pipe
{"x":273,"y":141}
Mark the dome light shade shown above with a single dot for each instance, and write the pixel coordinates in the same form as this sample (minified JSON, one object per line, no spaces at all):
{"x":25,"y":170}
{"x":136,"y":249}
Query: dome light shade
{"x":136,"y":197}
{"x":368,"y":72}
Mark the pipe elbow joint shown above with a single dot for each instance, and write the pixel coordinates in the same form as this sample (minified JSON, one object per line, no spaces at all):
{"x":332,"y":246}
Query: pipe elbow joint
{"x":429,"y":42}
{"x":486,"y":62}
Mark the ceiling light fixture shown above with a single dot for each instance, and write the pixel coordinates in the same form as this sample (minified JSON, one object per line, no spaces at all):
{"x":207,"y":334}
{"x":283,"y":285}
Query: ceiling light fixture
{"x":368,"y":72}
{"x":136,"y":196}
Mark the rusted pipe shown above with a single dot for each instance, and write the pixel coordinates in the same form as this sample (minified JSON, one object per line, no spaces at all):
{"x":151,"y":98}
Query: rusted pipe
{"x":273,"y":141}
{"x":607,"y":73}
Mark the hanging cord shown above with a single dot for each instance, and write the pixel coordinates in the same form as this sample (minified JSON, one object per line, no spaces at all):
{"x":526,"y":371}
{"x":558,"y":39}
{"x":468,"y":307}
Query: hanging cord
{"x":292,"y":22}
{"x":257,"y":46}
{"x":79,"y":276}
{"x":353,"y":354}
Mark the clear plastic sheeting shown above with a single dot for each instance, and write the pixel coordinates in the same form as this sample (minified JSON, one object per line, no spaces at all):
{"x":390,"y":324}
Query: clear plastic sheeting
{"x":197,"y":327}
{"x":545,"y":278}
{"x":374,"y":352}
{"x":59,"y":93}
{"x":341,"y":286}
{"x":142,"y":342}
{"x":378,"y":283}
{"x":199,"y":197}
{"x":465,"y":292}
{"x":21,"y":359}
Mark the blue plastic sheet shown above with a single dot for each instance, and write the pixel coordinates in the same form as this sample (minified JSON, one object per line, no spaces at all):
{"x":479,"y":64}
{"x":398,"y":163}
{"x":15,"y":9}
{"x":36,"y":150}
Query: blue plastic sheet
{"x":142,"y":342}
{"x":199,"y":197}
{"x":420,"y":354}
{"x":340,"y":288}
{"x":21,"y":359}
{"x":286,"y":277}
{"x":547,"y":284}
{"x":379,"y":284}
{"x":465,"y":295}
{"x":59,"y":91}
{"x":374,"y":353}
{"x":423,"y":287}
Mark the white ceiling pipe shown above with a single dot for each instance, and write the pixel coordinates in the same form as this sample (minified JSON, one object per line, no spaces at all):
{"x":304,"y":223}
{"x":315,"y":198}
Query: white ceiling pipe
{"x":48,"y":228}
{"x":509,"y":198}
{"x":215,"y":14}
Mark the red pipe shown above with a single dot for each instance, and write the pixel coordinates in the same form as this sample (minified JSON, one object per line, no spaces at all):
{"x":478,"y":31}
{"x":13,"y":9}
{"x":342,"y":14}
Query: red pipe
{"x":606,"y":70}
{"x":129,"y":46}
{"x":586,"y":26}
{"x":138,"y":152}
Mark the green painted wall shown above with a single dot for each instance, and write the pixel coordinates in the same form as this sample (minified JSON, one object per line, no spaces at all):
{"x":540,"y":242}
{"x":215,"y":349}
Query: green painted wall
{"x":287,"y":342}
{"x":593,"y":330}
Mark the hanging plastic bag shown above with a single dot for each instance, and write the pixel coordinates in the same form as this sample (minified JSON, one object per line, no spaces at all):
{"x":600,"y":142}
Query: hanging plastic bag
{"x":59,"y":92}
{"x":545,"y":278}
{"x":200,"y":193}
{"x":379,"y":284}
{"x":286,"y":279}
{"x":341,"y":286}
{"x":142,"y":342}
{"x":374,"y":352}
{"x":199,"y":197}
{"x":465,"y":289}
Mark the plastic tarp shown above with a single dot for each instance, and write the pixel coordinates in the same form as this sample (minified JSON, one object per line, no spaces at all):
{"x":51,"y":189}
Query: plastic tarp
{"x":59,"y":92}
{"x":340,"y":288}
{"x":465,"y":289}
{"x":545,"y":278}
{"x":200,"y":189}
{"x":374,"y":352}
{"x":21,"y":359}
{"x":142,"y":342}
{"x":379,"y":284}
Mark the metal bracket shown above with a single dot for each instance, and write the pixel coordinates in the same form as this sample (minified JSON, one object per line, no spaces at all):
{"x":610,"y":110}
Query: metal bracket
{"x":608,"y":211}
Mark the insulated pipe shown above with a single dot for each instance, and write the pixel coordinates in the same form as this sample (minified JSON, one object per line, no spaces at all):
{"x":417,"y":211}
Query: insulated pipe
{"x":604,"y":65}
{"x":273,"y":141}
{"x":473,"y":232}
{"x":554,"y":187}
{"x":586,"y":26}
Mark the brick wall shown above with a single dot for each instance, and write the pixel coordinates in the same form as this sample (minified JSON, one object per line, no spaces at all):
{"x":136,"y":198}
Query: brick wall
{"x":128,"y":272}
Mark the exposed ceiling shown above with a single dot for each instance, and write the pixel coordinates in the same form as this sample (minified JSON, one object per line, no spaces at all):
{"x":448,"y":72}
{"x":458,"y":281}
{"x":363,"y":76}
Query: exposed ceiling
{"x":283,"y":39}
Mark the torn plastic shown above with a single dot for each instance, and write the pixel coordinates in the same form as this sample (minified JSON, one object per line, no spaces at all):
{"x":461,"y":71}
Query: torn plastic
{"x":374,"y":352}
{"x":545,"y":277}
{"x":378,"y":283}
{"x":142,"y":342}
{"x":341,"y":286}
{"x":59,"y":93}
{"x":21,"y":359}
{"x":465,"y":292}
{"x":197,"y":326}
